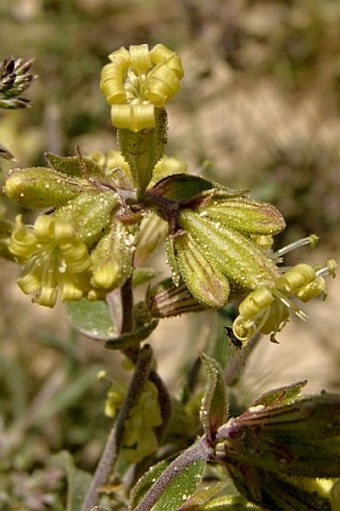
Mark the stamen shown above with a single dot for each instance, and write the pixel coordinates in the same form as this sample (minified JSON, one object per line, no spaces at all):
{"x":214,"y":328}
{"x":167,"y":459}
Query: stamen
{"x":310,"y":240}
{"x":290,"y":304}
{"x":327,"y":270}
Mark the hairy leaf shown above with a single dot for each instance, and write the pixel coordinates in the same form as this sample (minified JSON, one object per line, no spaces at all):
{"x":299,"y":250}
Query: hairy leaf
{"x":214,"y":405}
{"x":91,"y":318}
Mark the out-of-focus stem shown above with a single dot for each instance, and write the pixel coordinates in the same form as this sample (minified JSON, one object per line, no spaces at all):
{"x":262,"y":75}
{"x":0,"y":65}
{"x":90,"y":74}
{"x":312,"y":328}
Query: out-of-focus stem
{"x":115,"y":438}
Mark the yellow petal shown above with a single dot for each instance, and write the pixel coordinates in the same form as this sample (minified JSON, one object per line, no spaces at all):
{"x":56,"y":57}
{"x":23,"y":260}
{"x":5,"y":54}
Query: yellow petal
{"x":140,"y":58}
{"x":160,"y":54}
{"x":133,"y":117}
{"x":111,"y":84}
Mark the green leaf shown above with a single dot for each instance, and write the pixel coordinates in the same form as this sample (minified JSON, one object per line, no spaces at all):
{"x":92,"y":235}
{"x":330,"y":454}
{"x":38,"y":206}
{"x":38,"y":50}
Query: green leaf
{"x":220,"y":496}
{"x":280,"y":396}
{"x":275,"y":492}
{"x":214,"y":409}
{"x":78,"y":481}
{"x":179,"y":489}
{"x":91,"y":318}
{"x":299,"y":439}
{"x":133,"y":338}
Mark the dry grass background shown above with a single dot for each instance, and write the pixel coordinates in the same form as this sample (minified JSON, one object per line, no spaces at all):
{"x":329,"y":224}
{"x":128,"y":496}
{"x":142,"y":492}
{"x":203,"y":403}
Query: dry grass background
{"x":259,"y":108}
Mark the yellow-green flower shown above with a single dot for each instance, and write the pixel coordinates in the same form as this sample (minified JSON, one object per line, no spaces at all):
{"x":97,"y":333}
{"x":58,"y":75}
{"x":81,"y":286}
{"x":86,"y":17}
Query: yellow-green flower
{"x":140,"y":439}
{"x":266,"y":309}
{"x":55,"y":261}
{"x":115,"y":397}
{"x":137,"y":81}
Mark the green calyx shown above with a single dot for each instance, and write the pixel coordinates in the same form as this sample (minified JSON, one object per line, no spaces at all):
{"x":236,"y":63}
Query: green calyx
{"x":112,"y":258}
{"x":53,"y":186}
{"x":40,"y":187}
{"x":142,"y":150}
{"x":201,"y":274}
{"x":90,"y":213}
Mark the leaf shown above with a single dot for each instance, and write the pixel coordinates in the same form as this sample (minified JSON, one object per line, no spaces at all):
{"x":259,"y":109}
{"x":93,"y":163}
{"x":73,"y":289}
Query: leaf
{"x":91,"y":318}
{"x":133,"y":338}
{"x":78,"y":481}
{"x":299,"y":439}
{"x":221,"y":496}
{"x":276,"y":492}
{"x":214,"y":408}
{"x":275,"y":454}
{"x":281,"y":395}
{"x":180,"y":187}
{"x":181,"y":486}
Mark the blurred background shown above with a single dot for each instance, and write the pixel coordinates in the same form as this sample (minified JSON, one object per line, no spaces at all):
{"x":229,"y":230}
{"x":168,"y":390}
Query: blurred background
{"x":259,"y":108}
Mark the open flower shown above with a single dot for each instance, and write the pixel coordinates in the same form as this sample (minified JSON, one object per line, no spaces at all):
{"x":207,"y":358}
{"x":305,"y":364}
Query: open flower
{"x":55,"y":261}
{"x":267,"y":308}
{"x":137,"y":81}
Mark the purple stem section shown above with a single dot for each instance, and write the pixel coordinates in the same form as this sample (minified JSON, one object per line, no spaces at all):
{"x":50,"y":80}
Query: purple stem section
{"x":200,"y":451}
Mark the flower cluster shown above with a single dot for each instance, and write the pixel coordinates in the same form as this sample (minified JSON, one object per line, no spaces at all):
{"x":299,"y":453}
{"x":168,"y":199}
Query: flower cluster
{"x":137,"y":81}
{"x":76,"y":189}
{"x":115,"y":397}
{"x":55,"y":261}
{"x":140,"y":439}
{"x":219,"y":246}
{"x":214,"y":250}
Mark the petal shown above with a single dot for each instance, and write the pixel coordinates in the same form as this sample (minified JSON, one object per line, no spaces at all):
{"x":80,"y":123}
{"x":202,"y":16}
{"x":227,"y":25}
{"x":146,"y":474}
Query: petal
{"x":133,"y":117}
{"x":111,"y":84}
{"x":140,"y":58}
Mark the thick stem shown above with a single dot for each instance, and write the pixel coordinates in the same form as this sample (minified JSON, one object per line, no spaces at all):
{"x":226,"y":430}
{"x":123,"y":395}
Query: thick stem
{"x":115,"y":438}
{"x":200,"y":451}
{"x":127,"y":306}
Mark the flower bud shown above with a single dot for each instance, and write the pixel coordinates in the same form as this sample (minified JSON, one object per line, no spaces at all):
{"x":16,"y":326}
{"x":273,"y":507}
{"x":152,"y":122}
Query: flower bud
{"x":90,"y":213}
{"x":237,"y":257}
{"x":40,"y":187}
{"x":112,"y":258}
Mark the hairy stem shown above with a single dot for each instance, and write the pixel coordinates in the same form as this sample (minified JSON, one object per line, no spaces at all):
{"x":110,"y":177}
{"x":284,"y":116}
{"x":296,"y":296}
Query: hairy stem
{"x":200,"y":451}
{"x":127,"y":306}
{"x":115,"y":438}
